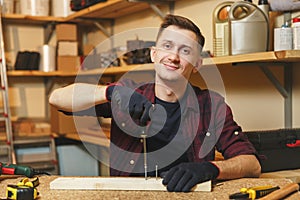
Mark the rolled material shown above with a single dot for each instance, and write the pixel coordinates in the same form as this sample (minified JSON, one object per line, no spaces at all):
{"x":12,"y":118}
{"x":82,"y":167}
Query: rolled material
{"x":286,"y":5}
{"x":47,"y":61}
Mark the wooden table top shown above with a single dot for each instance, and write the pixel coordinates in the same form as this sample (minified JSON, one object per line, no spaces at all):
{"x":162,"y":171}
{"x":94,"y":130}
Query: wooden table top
{"x":221,"y":191}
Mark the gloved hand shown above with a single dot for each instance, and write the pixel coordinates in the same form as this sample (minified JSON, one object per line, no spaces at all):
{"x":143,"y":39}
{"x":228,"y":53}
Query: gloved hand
{"x":130,"y":100}
{"x":183,"y":177}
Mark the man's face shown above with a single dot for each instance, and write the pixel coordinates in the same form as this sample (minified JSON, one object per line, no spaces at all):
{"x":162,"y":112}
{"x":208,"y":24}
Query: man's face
{"x":176,"y":53}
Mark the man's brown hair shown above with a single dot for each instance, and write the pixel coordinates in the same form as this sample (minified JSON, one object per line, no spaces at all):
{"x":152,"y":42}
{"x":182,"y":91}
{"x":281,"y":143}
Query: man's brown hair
{"x":183,"y":23}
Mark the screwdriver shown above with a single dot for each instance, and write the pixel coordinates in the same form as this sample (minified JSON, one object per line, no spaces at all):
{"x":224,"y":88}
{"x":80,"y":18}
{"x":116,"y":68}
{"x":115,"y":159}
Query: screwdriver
{"x":143,"y":136}
{"x":145,"y":155}
{"x":12,"y":169}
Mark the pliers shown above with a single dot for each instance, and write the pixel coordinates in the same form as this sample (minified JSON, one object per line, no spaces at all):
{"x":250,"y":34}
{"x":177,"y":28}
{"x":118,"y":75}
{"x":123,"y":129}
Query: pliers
{"x":253,"y":192}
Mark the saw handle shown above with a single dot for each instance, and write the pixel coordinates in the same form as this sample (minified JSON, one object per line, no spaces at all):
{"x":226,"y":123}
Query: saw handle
{"x":281,"y":193}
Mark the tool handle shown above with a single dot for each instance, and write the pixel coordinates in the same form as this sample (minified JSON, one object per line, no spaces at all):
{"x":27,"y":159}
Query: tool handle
{"x":281,"y":193}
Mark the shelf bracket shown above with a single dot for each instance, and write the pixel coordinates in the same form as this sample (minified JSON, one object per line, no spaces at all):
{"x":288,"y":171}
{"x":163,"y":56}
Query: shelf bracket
{"x":49,"y":29}
{"x":285,"y":90}
{"x":157,"y":10}
{"x":102,"y":29}
{"x":152,"y":4}
{"x":268,"y":73}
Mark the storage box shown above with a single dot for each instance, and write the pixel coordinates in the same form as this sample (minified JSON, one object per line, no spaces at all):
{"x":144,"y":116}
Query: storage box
{"x":87,"y":49}
{"x":68,"y":63}
{"x":67,"y":48}
{"x":61,"y":123}
{"x":281,"y":148}
{"x":66,"y":32}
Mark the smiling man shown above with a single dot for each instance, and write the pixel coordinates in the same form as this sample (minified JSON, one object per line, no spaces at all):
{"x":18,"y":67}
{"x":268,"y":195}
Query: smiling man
{"x":184,"y":124}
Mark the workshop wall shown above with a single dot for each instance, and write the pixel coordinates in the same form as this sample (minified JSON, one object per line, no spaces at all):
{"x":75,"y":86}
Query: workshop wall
{"x":255,"y":102}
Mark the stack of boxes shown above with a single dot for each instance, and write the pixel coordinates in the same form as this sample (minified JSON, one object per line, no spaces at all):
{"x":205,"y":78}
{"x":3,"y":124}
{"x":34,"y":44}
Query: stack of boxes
{"x":67,"y":48}
{"x":68,"y":60}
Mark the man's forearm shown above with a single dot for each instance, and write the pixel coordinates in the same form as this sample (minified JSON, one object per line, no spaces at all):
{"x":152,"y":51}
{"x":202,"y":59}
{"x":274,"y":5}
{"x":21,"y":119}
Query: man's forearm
{"x":238,"y":167}
{"x":78,"y":96}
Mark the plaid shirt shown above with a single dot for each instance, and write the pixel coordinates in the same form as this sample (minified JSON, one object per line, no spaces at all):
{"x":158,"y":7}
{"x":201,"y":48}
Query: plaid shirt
{"x":207,"y":125}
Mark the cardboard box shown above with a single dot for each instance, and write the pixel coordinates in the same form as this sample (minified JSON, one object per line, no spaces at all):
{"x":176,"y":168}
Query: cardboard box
{"x":66,"y":32}
{"x":68,"y":63}
{"x":61,"y":123}
{"x":88,"y":49}
{"x":67,"y":48}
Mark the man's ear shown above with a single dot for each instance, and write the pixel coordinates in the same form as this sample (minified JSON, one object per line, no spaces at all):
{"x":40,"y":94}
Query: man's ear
{"x":152,"y":53}
{"x":198,"y":65}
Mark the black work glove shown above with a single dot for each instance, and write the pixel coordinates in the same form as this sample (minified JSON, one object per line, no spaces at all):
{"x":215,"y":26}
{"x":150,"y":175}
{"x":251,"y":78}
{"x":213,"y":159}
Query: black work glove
{"x":130,"y":101}
{"x":183,"y":177}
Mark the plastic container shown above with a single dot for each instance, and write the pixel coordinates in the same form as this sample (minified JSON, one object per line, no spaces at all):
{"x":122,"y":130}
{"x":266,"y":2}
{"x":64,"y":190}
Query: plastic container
{"x":283,"y":38}
{"x":221,"y":29}
{"x":249,"y":28}
{"x":35,"y":7}
{"x":296,"y":33}
{"x":264,"y":6}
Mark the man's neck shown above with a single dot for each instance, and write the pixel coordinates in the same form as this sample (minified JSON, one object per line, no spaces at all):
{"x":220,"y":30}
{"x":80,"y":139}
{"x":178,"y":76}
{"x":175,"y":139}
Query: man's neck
{"x":169,"y":91}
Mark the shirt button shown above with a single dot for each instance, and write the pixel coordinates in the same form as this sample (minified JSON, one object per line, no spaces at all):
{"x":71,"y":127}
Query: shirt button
{"x":208,"y":134}
{"x":236,"y":133}
{"x":131,"y":162}
{"x":123,"y":124}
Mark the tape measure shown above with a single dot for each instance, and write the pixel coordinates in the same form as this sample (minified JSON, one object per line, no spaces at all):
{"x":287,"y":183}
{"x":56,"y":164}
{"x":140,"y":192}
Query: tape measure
{"x":21,"y":192}
{"x":24,"y":190}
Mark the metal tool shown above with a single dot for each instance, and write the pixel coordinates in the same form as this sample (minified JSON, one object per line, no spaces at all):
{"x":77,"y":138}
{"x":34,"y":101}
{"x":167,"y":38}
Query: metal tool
{"x":145,"y":155}
{"x":13,"y":169}
{"x":144,"y":136}
{"x":253,"y":192}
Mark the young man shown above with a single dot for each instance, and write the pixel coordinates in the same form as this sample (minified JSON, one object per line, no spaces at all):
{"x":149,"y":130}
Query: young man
{"x":184,"y":125}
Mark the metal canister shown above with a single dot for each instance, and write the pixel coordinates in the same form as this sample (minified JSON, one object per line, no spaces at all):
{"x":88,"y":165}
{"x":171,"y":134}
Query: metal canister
{"x":220,"y":29}
{"x":249,"y":28}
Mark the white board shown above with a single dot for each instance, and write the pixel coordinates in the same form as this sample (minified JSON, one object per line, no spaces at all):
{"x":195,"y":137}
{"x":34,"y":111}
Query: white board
{"x":116,"y":183}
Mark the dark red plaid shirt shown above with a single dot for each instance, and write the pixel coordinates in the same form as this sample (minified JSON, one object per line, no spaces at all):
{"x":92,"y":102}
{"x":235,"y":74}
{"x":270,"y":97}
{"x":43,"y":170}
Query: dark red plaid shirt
{"x":207,"y":122}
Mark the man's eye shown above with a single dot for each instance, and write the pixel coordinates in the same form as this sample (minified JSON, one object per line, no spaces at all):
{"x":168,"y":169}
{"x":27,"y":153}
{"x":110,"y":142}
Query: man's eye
{"x":167,"y":46}
{"x":185,"y":51}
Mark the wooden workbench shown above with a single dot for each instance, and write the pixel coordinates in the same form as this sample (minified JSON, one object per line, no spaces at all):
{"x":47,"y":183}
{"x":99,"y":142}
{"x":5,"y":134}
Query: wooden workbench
{"x":221,"y":191}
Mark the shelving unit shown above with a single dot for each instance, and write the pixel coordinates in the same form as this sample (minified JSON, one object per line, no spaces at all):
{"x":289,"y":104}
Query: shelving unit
{"x":262,"y":59}
{"x":278,"y":57}
{"x":110,"y":9}
{"x":113,"y":9}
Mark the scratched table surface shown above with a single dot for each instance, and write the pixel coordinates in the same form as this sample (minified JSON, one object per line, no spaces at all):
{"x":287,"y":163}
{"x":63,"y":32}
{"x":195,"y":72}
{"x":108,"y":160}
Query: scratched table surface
{"x":220,"y":191}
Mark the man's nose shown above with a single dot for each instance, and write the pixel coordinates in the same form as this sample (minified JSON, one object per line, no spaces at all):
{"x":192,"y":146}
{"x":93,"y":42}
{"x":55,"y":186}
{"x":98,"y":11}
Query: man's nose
{"x":174,"y":55}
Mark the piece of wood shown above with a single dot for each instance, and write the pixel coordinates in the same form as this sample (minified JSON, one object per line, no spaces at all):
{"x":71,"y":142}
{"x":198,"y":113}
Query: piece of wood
{"x":116,"y":183}
{"x":293,"y":175}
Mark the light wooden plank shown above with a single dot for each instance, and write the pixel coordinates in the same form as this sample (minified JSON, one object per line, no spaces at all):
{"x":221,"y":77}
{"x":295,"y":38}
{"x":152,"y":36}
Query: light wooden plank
{"x":293,"y":175}
{"x":116,"y":183}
